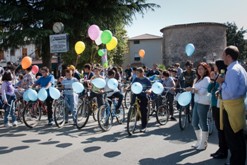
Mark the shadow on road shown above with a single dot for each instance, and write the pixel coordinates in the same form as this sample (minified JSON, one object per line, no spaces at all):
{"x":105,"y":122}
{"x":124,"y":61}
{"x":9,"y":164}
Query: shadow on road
{"x":6,"y":150}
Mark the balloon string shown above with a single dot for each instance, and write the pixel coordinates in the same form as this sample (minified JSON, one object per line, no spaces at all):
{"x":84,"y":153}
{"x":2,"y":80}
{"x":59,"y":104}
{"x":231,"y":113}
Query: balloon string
{"x":77,"y":58}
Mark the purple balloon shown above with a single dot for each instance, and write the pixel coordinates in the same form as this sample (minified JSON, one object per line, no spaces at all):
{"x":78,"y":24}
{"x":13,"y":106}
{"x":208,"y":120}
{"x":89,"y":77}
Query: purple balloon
{"x":93,"y":32}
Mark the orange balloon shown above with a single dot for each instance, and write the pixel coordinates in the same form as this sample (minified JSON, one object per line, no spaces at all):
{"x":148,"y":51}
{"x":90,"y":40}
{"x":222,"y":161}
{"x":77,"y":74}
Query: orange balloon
{"x":26,"y":62}
{"x":142,"y":53}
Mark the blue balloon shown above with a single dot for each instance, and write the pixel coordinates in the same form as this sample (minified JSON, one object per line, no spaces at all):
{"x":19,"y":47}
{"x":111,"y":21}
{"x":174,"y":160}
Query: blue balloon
{"x":184,"y":99}
{"x":54,"y":93}
{"x":157,"y":88}
{"x":42,"y":94}
{"x":25,"y":96}
{"x":189,"y":49}
{"x":99,"y":83}
{"x":32,"y":95}
{"x":77,"y":87}
{"x":136,"y":88}
{"x":112,"y":83}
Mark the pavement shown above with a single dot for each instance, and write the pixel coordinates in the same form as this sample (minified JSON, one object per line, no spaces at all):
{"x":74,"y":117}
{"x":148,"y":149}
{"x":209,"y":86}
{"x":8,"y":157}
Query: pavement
{"x":160,"y":145}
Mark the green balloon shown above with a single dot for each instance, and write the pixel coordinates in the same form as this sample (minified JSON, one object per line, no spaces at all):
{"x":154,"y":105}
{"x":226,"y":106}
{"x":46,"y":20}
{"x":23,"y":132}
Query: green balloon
{"x":106,"y":36}
{"x":101,"y":52}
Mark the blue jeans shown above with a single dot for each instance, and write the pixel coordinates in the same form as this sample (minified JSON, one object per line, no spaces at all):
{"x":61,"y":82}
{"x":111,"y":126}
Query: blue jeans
{"x":199,"y":117}
{"x":9,"y":110}
{"x":71,"y":105}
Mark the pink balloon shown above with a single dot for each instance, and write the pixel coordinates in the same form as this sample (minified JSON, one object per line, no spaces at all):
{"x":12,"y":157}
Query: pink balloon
{"x":35,"y":69}
{"x":93,"y":32}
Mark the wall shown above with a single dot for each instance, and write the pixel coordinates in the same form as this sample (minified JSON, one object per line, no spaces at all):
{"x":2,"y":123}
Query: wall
{"x":209,"y":40}
{"x":153,"y":51}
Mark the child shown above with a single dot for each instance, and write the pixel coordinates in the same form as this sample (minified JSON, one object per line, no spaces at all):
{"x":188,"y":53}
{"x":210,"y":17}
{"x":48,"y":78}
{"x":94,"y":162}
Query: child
{"x":116,"y":93}
{"x":8,"y":96}
{"x":70,"y":96}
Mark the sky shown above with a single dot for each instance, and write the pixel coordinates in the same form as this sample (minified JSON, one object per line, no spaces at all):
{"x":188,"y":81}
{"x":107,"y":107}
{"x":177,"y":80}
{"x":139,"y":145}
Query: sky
{"x":174,"y":12}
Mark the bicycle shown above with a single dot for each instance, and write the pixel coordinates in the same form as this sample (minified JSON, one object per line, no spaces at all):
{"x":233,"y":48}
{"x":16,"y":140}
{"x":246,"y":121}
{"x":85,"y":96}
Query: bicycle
{"x":107,"y":112}
{"x":87,"y":107}
{"x":210,"y":121}
{"x":59,"y":110}
{"x":162,"y":112}
{"x":127,"y":98}
{"x":33,"y":112}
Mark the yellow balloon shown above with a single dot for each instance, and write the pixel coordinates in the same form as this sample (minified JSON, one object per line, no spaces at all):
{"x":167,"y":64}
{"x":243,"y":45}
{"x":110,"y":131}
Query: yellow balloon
{"x":79,"y":47}
{"x":112,"y":44}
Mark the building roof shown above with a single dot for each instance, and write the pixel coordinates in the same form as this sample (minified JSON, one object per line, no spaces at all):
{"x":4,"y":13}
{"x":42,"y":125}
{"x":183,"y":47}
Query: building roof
{"x":145,"y":37}
{"x":193,"y":24}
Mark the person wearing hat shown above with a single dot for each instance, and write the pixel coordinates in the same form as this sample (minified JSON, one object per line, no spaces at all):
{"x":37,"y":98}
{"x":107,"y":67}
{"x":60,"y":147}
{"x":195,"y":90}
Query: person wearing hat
{"x":232,"y":108}
{"x":76,"y":74}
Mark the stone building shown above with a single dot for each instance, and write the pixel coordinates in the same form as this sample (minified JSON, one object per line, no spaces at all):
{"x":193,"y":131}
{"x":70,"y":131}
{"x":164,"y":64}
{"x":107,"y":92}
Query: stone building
{"x":209,"y":40}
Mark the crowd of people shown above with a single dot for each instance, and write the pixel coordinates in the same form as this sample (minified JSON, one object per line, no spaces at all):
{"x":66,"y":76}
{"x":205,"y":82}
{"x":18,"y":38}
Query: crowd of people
{"x":221,"y":86}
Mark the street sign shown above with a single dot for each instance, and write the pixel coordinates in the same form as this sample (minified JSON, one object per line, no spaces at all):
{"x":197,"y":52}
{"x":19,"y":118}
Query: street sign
{"x":59,"y":43}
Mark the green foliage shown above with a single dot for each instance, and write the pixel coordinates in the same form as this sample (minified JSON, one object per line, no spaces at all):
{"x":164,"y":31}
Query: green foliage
{"x":235,"y":37}
{"x":21,"y":19}
{"x":162,"y":67}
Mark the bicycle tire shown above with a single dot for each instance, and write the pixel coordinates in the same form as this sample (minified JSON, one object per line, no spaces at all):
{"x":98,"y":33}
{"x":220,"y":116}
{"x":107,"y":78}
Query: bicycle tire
{"x":183,"y":118}
{"x":82,"y":115}
{"x":105,"y":119}
{"x":162,"y":115}
{"x":132,"y":120}
{"x":31,"y":115}
{"x":19,"y":107}
{"x":210,"y":122}
{"x":121,"y":116}
{"x":127,"y":99}
{"x":94,"y":110}
{"x":59,"y":113}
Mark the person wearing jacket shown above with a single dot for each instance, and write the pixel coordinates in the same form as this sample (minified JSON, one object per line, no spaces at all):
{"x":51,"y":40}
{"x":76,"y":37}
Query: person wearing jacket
{"x":201,"y":106}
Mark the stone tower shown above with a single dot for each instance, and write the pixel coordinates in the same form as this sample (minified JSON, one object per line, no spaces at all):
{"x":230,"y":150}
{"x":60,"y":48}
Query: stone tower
{"x":209,"y":40}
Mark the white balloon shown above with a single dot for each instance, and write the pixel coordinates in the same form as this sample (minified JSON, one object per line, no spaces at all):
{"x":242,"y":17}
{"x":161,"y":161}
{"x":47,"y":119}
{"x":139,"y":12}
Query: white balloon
{"x":157,"y":88}
{"x":136,"y":88}
{"x":112,"y":83}
{"x":98,"y":40}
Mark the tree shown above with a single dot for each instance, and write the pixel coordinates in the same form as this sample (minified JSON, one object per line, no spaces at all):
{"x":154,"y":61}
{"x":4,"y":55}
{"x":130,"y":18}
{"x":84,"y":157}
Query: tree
{"x":235,"y":37}
{"x":33,"y":19}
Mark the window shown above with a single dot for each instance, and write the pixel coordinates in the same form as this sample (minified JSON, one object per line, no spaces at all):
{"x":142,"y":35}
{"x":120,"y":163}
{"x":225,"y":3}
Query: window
{"x":24,"y":52}
{"x":1,"y":55}
{"x":136,"y":41}
{"x":137,"y":57}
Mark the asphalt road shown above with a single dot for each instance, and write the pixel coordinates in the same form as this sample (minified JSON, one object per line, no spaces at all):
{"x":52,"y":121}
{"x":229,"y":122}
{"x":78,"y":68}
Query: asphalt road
{"x":164,"y":145}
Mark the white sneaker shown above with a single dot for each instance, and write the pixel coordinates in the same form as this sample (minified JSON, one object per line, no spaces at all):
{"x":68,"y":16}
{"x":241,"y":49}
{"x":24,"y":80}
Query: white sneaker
{"x":15,"y":124}
{"x":8,"y":125}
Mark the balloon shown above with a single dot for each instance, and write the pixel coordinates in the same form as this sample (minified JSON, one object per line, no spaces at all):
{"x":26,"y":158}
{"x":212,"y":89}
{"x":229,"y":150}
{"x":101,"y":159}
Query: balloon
{"x":25,"y":96}
{"x":77,"y":87}
{"x":157,"y":88}
{"x":98,"y":40}
{"x":106,"y":36}
{"x":184,"y":99}
{"x":26,"y":62}
{"x":136,"y":88}
{"x":93,"y":32}
{"x":112,"y":83}
{"x":42,"y":94}
{"x":142,"y":53}
{"x":54,"y":93}
{"x":112,"y":44}
{"x":79,"y":47}
{"x":101,"y":52}
{"x":99,"y":83}
{"x":105,"y":65}
{"x":189,"y":49}
{"x":35,"y":69}
{"x":32,"y":95}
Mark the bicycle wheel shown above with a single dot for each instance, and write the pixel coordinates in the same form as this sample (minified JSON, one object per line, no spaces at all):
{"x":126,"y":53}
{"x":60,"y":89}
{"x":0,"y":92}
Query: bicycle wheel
{"x":82,"y":115}
{"x":59,"y":113}
{"x":121,"y":115}
{"x":127,"y":99}
{"x":183,"y":118}
{"x":162,"y":115}
{"x":19,"y":107}
{"x":105,"y":119}
{"x":31,"y":115}
{"x":132,"y":120}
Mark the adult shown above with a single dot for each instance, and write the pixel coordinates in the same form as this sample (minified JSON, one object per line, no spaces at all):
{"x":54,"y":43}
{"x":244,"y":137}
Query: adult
{"x":179,"y":69}
{"x":46,"y":81}
{"x":153,"y":71}
{"x":128,"y":72}
{"x":232,"y":108}
{"x":213,"y":88}
{"x":201,"y":107}
{"x":28,"y":79}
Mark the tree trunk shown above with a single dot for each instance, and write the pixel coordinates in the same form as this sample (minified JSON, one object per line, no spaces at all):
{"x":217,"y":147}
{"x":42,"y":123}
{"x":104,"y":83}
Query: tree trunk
{"x":46,"y":55}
